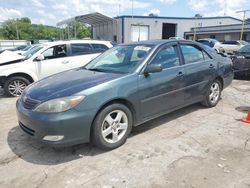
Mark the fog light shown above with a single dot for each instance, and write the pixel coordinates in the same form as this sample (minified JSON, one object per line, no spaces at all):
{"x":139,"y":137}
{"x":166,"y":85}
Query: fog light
{"x":53,"y":138}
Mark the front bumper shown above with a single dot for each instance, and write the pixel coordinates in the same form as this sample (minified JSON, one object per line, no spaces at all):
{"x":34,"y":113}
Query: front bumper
{"x":74,"y":125}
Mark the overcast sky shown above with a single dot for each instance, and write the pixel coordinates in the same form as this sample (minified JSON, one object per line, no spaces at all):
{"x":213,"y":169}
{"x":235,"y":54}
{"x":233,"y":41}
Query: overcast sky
{"x":52,"y":11}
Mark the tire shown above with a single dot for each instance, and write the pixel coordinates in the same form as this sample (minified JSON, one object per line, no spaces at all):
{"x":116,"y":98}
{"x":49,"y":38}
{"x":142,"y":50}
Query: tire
{"x":108,"y":132}
{"x":213,"y":94}
{"x":14,"y":86}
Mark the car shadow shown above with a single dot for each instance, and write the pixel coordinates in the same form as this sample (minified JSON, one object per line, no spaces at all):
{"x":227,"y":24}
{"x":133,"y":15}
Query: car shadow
{"x":1,"y":93}
{"x":35,"y":152}
{"x":240,"y":77}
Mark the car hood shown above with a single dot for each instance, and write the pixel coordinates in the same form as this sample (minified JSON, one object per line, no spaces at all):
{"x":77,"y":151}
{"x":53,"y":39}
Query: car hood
{"x":8,"y":57}
{"x":67,"y":83}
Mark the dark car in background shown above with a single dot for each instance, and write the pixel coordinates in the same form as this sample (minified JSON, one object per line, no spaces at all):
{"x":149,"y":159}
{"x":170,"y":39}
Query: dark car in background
{"x":124,"y":87}
{"x":241,"y":61}
{"x":212,"y":43}
{"x":208,"y":42}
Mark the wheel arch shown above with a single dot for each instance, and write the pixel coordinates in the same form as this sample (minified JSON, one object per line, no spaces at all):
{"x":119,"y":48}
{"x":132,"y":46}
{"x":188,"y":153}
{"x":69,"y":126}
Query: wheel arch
{"x":220,"y":79}
{"x":123,"y":101}
{"x":21,"y":74}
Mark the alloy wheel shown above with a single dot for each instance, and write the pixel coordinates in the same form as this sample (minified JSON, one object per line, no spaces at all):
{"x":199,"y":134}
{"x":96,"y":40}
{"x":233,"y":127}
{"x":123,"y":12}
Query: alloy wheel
{"x":16,"y":87}
{"x":214,"y":93}
{"x":114,"y":126}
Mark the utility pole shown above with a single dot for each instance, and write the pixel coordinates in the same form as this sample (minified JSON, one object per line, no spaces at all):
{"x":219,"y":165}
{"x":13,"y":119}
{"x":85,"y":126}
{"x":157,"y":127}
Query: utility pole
{"x":195,"y":25}
{"x":17,"y":34}
{"x":243,"y":23}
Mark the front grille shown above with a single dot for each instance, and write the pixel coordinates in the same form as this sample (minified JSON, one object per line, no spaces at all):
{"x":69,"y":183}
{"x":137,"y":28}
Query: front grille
{"x":26,"y":129}
{"x":29,"y":103}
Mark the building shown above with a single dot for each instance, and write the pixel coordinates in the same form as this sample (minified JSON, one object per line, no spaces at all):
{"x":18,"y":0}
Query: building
{"x":125,"y":29}
{"x":221,"y":32}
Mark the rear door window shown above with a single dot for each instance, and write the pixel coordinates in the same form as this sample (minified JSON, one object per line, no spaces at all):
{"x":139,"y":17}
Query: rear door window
{"x":193,"y":54}
{"x":81,"y":49}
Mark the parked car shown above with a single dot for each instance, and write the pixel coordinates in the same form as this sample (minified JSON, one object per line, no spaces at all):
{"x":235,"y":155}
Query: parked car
{"x":177,"y":38}
{"x":21,"y":52}
{"x":124,"y":87}
{"x":21,"y":47}
{"x":47,"y":59}
{"x":231,"y":46}
{"x":241,"y":61}
{"x":212,"y":43}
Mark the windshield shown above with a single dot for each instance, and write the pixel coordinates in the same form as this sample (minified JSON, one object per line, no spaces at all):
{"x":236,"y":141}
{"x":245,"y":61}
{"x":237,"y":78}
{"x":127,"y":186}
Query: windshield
{"x":32,"y":51}
{"x":245,"y":49}
{"x":120,"y":59}
{"x":244,"y":42}
{"x":27,"y":48}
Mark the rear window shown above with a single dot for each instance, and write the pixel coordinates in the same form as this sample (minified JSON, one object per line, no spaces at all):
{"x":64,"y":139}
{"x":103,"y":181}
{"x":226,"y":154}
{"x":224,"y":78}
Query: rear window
{"x":230,"y":42}
{"x":207,"y":43}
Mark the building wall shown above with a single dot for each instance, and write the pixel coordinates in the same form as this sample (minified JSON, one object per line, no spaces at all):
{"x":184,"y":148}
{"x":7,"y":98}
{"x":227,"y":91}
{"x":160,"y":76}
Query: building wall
{"x":122,"y":28}
{"x":155,"y":25}
{"x":224,"y":36}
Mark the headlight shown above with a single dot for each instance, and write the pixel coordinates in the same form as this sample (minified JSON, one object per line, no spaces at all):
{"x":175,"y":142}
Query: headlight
{"x":59,"y":104}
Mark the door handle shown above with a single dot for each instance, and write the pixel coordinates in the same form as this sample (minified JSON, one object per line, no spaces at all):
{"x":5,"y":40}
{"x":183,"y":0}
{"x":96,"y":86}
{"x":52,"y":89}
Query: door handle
{"x":180,"y":74}
{"x":65,"y":62}
{"x":211,"y":66}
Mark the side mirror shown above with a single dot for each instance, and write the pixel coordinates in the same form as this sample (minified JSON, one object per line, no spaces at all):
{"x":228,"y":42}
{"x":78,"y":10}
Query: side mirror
{"x":152,"y":68}
{"x":40,"y":57}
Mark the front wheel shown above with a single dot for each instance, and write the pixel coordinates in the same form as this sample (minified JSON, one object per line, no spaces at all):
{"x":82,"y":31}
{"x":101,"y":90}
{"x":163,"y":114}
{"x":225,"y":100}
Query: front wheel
{"x":14,"y":86}
{"x":213,"y":94}
{"x":112,"y":126}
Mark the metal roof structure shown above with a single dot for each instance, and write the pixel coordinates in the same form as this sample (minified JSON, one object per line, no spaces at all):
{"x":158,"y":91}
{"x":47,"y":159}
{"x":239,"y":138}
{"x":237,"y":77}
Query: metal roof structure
{"x":91,"y":19}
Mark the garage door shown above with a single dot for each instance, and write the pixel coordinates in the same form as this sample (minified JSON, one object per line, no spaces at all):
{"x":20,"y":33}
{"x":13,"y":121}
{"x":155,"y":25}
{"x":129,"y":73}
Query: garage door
{"x":139,"y":33}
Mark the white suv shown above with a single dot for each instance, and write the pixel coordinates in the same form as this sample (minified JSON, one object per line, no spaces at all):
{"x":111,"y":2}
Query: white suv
{"x":47,"y":59}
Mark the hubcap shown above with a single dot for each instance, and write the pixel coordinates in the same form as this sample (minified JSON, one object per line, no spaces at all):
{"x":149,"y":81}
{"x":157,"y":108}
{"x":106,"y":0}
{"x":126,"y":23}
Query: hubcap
{"x":16,"y":87}
{"x":114,"y":126}
{"x":214,"y":92}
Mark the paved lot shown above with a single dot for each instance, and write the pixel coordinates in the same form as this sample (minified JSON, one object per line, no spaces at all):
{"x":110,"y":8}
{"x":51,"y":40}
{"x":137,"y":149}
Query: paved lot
{"x":193,"y":147}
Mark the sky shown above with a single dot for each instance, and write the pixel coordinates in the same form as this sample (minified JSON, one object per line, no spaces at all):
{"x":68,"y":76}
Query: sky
{"x":50,"y":12}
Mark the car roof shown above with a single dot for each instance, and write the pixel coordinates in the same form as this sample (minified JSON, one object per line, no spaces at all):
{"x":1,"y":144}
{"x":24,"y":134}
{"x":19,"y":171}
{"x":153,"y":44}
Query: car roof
{"x":74,"y":41}
{"x":156,"y":42}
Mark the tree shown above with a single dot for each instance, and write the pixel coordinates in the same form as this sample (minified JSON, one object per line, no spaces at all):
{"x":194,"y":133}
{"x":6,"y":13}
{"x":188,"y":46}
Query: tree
{"x":22,"y":28}
{"x":76,"y":30}
{"x":198,"y":16}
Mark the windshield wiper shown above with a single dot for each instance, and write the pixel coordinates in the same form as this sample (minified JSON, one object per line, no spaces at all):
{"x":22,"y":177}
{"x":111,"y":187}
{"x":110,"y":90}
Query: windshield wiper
{"x":96,"y":69}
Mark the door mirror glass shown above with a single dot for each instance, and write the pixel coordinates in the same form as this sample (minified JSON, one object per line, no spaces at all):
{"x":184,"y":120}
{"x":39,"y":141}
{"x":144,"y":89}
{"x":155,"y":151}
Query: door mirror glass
{"x":152,"y":68}
{"x":40,"y":57}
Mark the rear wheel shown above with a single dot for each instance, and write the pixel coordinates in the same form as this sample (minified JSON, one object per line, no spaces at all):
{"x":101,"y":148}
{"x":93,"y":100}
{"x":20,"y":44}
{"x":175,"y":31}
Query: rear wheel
{"x":213,"y":94}
{"x":14,"y":86}
{"x":112,"y":126}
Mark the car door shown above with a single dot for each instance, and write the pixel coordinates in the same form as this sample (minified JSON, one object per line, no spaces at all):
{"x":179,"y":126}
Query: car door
{"x":199,"y":71}
{"x":81,"y":54}
{"x":162,"y":92}
{"x":55,"y":60}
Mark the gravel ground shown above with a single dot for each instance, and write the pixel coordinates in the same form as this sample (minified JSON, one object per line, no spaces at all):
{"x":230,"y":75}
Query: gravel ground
{"x":192,"y":147}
